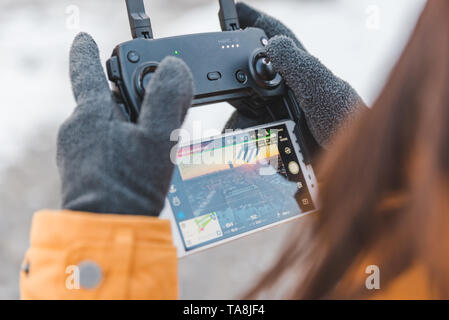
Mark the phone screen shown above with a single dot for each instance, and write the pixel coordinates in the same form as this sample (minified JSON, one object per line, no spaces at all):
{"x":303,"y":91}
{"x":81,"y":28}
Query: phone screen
{"x":234,"y":184}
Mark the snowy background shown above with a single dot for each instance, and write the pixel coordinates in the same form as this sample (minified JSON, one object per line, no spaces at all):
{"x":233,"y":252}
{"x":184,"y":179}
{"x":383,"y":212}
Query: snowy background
{"x":359,"y":40}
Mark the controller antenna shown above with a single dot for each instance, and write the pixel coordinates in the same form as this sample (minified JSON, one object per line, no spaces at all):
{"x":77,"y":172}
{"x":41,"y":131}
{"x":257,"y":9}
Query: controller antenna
{"x":138,"y":20}
{"x":229,"y":20}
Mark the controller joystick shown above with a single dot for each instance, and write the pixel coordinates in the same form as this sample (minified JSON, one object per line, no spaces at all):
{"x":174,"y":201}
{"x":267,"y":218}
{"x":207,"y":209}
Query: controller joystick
{"x":143,"y":77}
{"x":264,"y":69}
{"x":263,"y":72}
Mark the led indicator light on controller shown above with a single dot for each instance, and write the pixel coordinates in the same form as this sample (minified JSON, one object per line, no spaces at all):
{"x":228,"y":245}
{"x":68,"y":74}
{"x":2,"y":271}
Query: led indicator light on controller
{"x":176,"y":52}
{"x":230,"y":46}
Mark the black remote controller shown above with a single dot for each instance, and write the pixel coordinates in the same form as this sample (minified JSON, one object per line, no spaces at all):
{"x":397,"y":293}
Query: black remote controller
{"x":227,"y":66}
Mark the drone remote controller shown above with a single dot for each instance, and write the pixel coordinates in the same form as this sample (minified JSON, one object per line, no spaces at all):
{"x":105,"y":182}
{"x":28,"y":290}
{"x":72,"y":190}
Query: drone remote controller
{"x":226,"y":66}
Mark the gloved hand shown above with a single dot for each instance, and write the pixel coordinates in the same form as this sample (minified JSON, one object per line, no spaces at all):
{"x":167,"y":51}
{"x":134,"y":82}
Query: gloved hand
{"x":327,"y":101}
{"x":109,"y":165}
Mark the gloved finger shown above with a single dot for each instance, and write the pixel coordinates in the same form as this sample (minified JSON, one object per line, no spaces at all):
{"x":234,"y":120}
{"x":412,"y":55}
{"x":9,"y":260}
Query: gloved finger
{"x":250,"y":17}
{"x":89,"y":83}
{"x":247,"y":15}
{"x":326,"y":100}
{"x":168,"y":97}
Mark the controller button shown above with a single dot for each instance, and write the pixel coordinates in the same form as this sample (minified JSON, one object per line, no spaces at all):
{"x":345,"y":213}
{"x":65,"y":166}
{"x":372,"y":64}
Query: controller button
{"x":214,"y":75}
{"x":264,"y":41}
{"x":133,"y":57}
{"x":241,"y":76}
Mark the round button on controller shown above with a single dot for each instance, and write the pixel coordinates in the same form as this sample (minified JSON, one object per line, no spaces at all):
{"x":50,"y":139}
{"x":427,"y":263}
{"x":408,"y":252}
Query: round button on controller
{"x":133,"y":56}
{"x":241,"y":76}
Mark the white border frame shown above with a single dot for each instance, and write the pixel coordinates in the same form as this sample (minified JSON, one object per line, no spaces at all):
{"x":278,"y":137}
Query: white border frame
{"x":307,"y":170}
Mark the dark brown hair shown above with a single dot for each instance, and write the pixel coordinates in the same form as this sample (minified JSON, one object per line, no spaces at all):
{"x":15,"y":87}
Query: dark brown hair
{"x":385,"y":190}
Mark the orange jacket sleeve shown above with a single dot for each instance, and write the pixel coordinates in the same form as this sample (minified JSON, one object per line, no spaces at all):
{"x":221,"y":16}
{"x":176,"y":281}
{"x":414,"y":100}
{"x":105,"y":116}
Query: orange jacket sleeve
{"x":75,"y":255}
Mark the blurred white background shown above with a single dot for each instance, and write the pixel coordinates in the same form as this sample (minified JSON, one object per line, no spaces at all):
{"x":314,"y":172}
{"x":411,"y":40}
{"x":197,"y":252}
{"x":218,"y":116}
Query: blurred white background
{"x":359,"y":40}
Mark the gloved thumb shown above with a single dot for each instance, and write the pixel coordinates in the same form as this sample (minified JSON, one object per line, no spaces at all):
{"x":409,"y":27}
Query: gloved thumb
{"x":168,"y":96}
{"x":327,"y":101}
{"x":250,"y":17}
{"x":167,"y":99}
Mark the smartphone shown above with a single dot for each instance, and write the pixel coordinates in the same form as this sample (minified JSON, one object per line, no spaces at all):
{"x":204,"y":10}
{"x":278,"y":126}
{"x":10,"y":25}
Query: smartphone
{"x":236,"y":184}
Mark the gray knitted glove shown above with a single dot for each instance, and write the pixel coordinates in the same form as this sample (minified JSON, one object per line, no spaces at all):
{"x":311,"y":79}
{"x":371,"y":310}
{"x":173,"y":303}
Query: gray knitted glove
{"x":109,"y":165}
{"x":327,"y":101}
